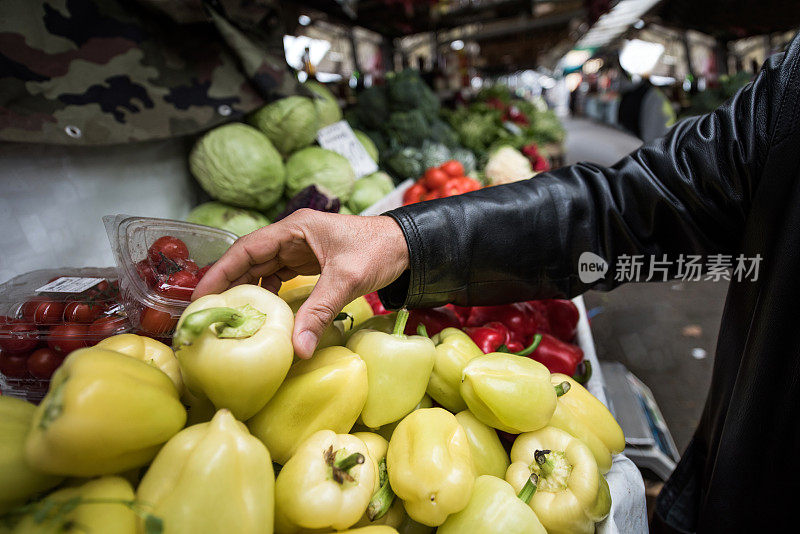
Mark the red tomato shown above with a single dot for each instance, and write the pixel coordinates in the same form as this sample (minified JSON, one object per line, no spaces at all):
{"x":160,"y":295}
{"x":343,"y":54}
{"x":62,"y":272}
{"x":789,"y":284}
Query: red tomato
{"x":147,"y":273}
{"x":467,"y":184}
{"x":102,"y":286}
{"x":450,"y":189}
{"x":202,"y":272}
{"x":188,"y":265}
{"x":169,"y":247}
{"x":414,"y":194}
{"x":178,"y":285}
{"x":18,"y":337}
{"x":432,"y":195}
{"x":43,"y":311}
{"x":82,"y":312}
{"x":106,"y":327}
{"x":65,"y":338}
{"x":453,"y":168}
{"x":157,"y":322}
{"x":435,"y":178}
{"x":14,"y":365}
{"x":43,"y":362}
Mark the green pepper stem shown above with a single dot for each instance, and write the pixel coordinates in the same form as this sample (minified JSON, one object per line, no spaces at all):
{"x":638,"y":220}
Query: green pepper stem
{"x":400,"y":322}
{"x":562,"y":388}
{"x":584,"y":372}
{"x":545,"y":464}
{"x":344,"y":464}
{"x":422,"y":331}
{"x":532,"y":347}
{"x":383,"y":498}
{"x":196,"y":323}
{"x":527,"y":491}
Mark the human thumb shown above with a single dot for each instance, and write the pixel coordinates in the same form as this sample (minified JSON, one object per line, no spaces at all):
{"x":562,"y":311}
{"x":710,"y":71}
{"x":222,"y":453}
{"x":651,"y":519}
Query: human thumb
{"x":317,"y":313}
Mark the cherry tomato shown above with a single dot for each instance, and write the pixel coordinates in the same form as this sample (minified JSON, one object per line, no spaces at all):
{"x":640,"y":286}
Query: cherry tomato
{"x":453,"y":168}
{"x":414,"y":194}
{"x":169,"y":247}
{"x":435,"y":178}
{"x":41,"y":310}
{"x":43,"y":362}
{"x":82,"y":312}
{"x":188,"y":265}
{"x":147,"y":273}
{"x":18,"y":337}
{"x":156,"y":321}
{"x":202,"y":272}
{"x":14,"y":365}
{"x":468,"y":184}
{"x":178,"y":285}
{"x":65,"y":338}
{"x":102,"y":286}
{"x":106,"y":327}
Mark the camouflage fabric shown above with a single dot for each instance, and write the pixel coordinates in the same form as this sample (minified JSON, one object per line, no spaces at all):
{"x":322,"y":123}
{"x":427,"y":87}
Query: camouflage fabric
{"x":91,"y":72}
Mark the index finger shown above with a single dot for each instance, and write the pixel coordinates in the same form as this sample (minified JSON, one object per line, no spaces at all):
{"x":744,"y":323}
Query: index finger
{"x":255,"y":248}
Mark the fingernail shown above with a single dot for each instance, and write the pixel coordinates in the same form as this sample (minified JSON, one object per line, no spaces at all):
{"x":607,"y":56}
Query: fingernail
{"x":306,"y":343}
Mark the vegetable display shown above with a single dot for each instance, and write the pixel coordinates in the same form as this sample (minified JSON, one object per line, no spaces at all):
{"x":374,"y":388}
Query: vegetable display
{"x":346,"y":441}
{"x":240,"y":221}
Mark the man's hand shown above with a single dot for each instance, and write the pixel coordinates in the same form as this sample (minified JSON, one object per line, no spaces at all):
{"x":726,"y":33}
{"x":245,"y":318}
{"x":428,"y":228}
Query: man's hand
{"x":354,"y":255}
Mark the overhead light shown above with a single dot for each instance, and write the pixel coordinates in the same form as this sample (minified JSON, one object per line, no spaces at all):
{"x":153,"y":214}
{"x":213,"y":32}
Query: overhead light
{"x":304,"y":20}
{"x":458,"y":44}
{"x":639,"y":57}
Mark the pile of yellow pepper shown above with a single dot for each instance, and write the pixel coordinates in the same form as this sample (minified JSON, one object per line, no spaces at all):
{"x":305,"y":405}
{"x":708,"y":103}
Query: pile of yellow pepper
{"x":230,"y":433}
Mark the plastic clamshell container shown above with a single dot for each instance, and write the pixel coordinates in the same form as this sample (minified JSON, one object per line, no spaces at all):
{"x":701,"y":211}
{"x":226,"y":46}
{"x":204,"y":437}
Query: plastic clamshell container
{"x":152,"y":311}
{"x":33,"y":308}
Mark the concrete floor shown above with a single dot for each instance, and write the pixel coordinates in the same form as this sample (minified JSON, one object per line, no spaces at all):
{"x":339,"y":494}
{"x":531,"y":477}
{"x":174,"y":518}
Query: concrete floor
{"x":665,"y":333}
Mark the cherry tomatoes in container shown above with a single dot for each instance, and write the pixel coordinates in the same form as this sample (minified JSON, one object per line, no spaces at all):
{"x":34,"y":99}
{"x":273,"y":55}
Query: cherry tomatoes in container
{"x":82,"y":312}
{"x":41,"y":310}
{"x":179,"y":285}
{"x":106,"y":327}
{"x":147,"y":273}
{"x":435,"y":178}
{"x":168,"y":247}
{"x":65,"y":338}
{"x":202,"y":272}
{"x":18,"y":337}
{"x":14,"y":365}
{"x":156,"y":321}
{"x":453,"y":168}
{"x":43,"y":362}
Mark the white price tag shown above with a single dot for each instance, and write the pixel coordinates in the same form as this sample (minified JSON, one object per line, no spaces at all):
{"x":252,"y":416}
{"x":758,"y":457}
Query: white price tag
{"x":340,"y":138}
{"x":69,"y":284}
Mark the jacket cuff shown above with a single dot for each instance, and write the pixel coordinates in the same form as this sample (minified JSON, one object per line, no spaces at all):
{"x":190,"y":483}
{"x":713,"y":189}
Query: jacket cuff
{"x":406,"y":291}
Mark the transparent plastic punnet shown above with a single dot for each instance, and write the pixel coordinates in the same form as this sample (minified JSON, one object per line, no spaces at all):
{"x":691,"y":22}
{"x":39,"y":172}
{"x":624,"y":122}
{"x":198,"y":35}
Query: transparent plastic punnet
{"x":159,"y":262}
{"x":45,"y":315}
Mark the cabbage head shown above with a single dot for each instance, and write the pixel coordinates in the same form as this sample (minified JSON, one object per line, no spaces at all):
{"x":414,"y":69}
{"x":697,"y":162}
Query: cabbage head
{"x":240,"y":221}
{"x":323,"y":168}
{"x":368,"y":190}
{"x":369,"y":146}
{"x":326,"y":104}
{"x":291,"y":123}
{"x":239,"y":165}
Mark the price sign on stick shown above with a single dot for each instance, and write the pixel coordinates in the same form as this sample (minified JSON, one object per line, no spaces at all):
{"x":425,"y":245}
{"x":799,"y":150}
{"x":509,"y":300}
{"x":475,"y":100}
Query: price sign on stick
{"x":340,"y":138}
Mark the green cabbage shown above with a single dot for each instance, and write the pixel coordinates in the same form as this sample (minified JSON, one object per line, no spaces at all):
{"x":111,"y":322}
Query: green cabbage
{"x":239,"y":165}
{"x":291,"y":123}
{"x":240,"y":221}
{"x":326,"y":104}
{"x":368,"y":190}
{"x":369,"y":146}
{"x":320,"y":167}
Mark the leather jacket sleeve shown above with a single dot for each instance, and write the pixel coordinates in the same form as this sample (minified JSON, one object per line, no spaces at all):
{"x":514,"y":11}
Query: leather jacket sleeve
{"x":687,"y":193}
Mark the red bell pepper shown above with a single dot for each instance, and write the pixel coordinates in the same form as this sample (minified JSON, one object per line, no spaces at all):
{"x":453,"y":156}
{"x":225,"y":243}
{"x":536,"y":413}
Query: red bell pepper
{"x":434,"y":319}
{"x":521,"y":319}
{"x":489,"y":337}
{"x":376,"y":304}
{"x":556,"y":355}
{"x":563,"y":317}
{"x":461,"y":311}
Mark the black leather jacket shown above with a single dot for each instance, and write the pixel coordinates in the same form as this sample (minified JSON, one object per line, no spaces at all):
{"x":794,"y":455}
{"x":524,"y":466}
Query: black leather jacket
{"x":724,"y":183}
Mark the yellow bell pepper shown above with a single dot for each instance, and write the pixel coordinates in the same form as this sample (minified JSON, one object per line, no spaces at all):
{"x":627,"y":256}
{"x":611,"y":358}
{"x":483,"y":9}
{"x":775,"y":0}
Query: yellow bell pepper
{"x":328,"y":483}
{"x":104,"y":413}
{"x":18,"y":481}
{"x":149,"y":351}
{"x":380,"y":507}
{"x":430,"y":466}
{"x":398,"y":368}
{"x":235,"y":348}
{"x":564,"y":419}
{"x":326,"y":392}
{"x":295,"y":292}
{"x":377,"y":529}
{"x":509,"y":392}
{"x":454,"y":349}
{"x":382,"y":323}
{"x":495,"y":508}
{"x":211,"y":477}
{"x":100,"y":506}
{"x":488,"y":455}
{"x":592,"y":413}
{"x":572,"y":495}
